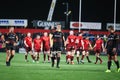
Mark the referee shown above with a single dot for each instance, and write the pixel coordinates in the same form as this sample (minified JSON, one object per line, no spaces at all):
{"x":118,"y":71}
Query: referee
{"x":111,"y":49}
{"x":56,"y":42}
{"x":11,"y":40}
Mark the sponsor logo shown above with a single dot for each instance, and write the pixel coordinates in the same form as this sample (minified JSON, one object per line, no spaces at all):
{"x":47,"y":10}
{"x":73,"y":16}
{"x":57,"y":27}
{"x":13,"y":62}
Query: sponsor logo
{"x":47,"y":24}
{"x":76,"y":24}
{"x":117,"y":26}
{"x":4,"y":22}
{"x":13,"y":22}
{"x":85,"y":25}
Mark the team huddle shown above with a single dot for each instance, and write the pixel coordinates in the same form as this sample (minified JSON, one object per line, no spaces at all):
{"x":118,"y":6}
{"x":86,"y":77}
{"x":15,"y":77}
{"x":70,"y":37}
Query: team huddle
{"x":78,"y":44}
{"x":51,"y":44}
{"x":37,"y":45}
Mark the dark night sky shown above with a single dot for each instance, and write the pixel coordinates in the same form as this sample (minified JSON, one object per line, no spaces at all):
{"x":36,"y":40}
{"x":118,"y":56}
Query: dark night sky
{"x":92,"y":10}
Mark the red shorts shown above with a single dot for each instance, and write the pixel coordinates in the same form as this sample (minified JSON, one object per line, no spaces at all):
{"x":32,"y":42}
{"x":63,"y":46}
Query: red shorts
{"x":97,"y":50}
{"x":79,"y":48}
{"x":70,"y":47}
{"x":28,"y":49}
{"x":46,"y":48}
{"x":86,"y":50}
{"x":37,"y":50}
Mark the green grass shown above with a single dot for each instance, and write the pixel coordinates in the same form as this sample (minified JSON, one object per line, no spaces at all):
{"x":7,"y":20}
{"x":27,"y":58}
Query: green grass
{"x":21,"y":70}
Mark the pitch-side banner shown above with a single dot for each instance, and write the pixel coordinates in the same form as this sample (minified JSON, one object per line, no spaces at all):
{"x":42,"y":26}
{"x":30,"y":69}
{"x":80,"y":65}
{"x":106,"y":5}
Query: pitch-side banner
{"x":13,"y":22}
{"x":47,"y":24}
{"x":117,"y":27}
{"x":86,"y":25}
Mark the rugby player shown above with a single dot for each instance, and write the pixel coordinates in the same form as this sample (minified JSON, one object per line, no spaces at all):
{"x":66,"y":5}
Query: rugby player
{"x":86,"y":48}
{"x":46,"y":46}
{"x":37,"y":46}
{"x":11,"y":40}
{"x":98,"y":47}
{"x":70,"y":47}
{"x":111,"y":49}
{"x":28,"y":47}
{"x":56,"y":43}
{"x":79,"y":45}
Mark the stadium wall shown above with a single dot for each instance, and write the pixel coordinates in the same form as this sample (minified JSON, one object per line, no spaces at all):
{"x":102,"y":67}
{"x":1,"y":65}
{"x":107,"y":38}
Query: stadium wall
{"x":41,"y":30}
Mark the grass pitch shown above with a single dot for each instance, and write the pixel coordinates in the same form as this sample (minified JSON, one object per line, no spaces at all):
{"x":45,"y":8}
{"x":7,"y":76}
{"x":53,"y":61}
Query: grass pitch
{"x":21,"y":70}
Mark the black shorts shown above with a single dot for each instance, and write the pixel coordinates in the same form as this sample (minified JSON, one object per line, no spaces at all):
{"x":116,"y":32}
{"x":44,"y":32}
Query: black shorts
{"x":57,"y":48}
{"x":111,"y":53}
{"x":10,"y":47}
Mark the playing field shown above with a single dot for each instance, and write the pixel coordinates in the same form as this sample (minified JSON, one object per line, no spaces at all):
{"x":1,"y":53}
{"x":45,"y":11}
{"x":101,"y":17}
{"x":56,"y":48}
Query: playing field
{"x":21,"y":70}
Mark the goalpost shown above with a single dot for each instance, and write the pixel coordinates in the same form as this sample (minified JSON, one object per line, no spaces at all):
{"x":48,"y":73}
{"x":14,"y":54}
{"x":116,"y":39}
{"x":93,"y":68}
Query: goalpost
{"x":115,"y":10}
{"x":80,"y":9}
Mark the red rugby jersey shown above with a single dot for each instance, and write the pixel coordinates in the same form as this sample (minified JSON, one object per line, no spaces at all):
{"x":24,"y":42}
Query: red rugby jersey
{"x":37,"y":43}
{"x":28,"y":41}
{"x":71,"y":39}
